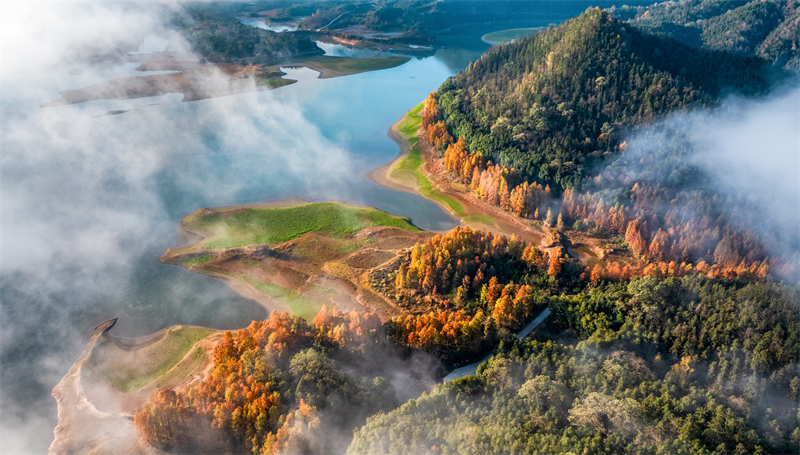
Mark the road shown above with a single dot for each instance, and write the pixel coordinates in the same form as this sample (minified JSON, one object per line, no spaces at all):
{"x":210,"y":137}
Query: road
{"x":472,"y":368}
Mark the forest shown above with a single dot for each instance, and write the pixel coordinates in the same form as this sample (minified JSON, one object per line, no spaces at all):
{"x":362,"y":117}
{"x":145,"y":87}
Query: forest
{"x":690,"y":365}
{"x":423,"y":16}
{"x":465,"y":290}
{"x":768,"y":29}
{"x":554,"y":105}
{"x":641,"y":365}
{"x":663,"y":212}
{"x":220,"y":38}
{"x":274,"y":381}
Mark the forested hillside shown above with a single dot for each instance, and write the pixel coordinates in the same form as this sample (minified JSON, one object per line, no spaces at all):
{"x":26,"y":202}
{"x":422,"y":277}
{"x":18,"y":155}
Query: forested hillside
{"x":274,"y":381}
{"x":220,"y":38}
{"x":553,"y":105}
{"x":469,"y":289}
{"x":676,"y":366}
{"x":766,"y":28}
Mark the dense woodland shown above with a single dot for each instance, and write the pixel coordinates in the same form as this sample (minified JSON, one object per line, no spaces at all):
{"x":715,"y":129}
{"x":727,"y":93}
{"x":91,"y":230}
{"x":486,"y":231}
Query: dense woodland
{"x":675,"y":365}
{"x":650,"y":203}
{"x":480,"y":287}
{"x":766,"y":28}
{"x":554,"y":105}
{"x":688,"y":365}
{"x":219,"y":38}
{"x":418,"y":18}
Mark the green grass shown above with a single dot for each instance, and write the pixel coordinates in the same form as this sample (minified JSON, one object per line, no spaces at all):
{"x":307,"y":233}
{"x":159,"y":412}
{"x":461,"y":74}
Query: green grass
{"x":190,"y":261}
{"x":132,"y":370}
{"x":409,"y":165}
{"x":183,"y":369}
{"x":298,"y":304}
{"x":412,"y":121}
{"x":350,"y":65}
{"x":412,"y":161}
{"x":426,"y":189}
{"x":281,"y":224}
{"x":476,"y":218}
{"x":506,"y":36}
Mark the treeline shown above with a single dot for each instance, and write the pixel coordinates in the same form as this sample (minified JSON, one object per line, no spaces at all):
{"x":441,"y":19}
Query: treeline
{"x":421,"y":19}
{"x":674,"y":366}
{"x":497,"y":185}
{"x":693,"y":234}
{"x":552,"y":106}
{"x":277,"y":386}
{"x":673,"y":228}
{"x":691,"y":237}
{"x":766,"y":28}
{"x":219,"y":38}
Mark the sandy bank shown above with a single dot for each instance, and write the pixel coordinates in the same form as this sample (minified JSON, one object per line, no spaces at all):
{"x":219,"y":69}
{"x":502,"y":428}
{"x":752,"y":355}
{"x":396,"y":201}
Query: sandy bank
{"x":94,"y":416}
{"x":382,"y":175}
{"x":473,"y":209}
{"x":82,"y":428}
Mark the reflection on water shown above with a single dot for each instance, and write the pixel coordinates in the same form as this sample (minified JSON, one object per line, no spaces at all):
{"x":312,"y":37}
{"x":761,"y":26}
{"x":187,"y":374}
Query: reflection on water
{"x":338,"y":50}
{"x":260,"y":23}
{"x":301,"y":74}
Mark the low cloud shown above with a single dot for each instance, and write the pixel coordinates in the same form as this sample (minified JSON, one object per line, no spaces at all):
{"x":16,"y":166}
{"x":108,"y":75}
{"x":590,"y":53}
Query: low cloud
{"x":90,"y":201}
{"x":746,"y":151}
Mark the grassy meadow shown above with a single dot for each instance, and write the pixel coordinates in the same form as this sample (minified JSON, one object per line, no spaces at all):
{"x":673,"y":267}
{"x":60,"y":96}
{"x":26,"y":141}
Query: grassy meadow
{"x":281,"y":224}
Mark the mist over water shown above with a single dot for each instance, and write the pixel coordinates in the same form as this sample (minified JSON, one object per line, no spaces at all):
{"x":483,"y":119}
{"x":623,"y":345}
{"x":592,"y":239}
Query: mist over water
{"x":90,"y":201}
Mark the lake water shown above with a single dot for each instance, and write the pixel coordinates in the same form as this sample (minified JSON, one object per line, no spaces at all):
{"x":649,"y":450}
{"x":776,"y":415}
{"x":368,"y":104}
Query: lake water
{"x":90,"y":201}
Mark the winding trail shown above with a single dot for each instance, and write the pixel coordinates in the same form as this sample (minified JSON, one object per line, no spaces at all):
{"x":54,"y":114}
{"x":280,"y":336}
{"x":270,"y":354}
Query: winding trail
{"x":472,"y":368}
{"x":331,"y":22}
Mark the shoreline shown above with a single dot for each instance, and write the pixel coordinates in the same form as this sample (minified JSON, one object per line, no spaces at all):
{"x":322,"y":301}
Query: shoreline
{"x":503,"y":223}
{"x":350,"y":292}
{"x":94,"y":416}
{"x":381,"y":175}
{"x":475,"y":212}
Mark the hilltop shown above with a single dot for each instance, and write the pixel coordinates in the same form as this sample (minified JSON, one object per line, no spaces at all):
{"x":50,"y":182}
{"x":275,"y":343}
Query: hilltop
{"x":769,"y":29}
{"x":553,"y":105}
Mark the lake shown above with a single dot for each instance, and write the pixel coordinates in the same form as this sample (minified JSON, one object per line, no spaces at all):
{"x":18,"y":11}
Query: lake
{"x":91,"y":201}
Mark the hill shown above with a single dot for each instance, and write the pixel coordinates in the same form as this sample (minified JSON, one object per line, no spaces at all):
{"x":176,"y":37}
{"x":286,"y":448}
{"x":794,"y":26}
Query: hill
{"x":220,"y":38}
{"x":766,"y":28}
{"x":553,"y":105}
{"x":702,"y":373}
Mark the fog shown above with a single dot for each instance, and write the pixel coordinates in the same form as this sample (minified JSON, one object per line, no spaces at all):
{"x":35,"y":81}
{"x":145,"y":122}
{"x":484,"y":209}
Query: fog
{"x":90,"y":201}
{"x":746,"y":151}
